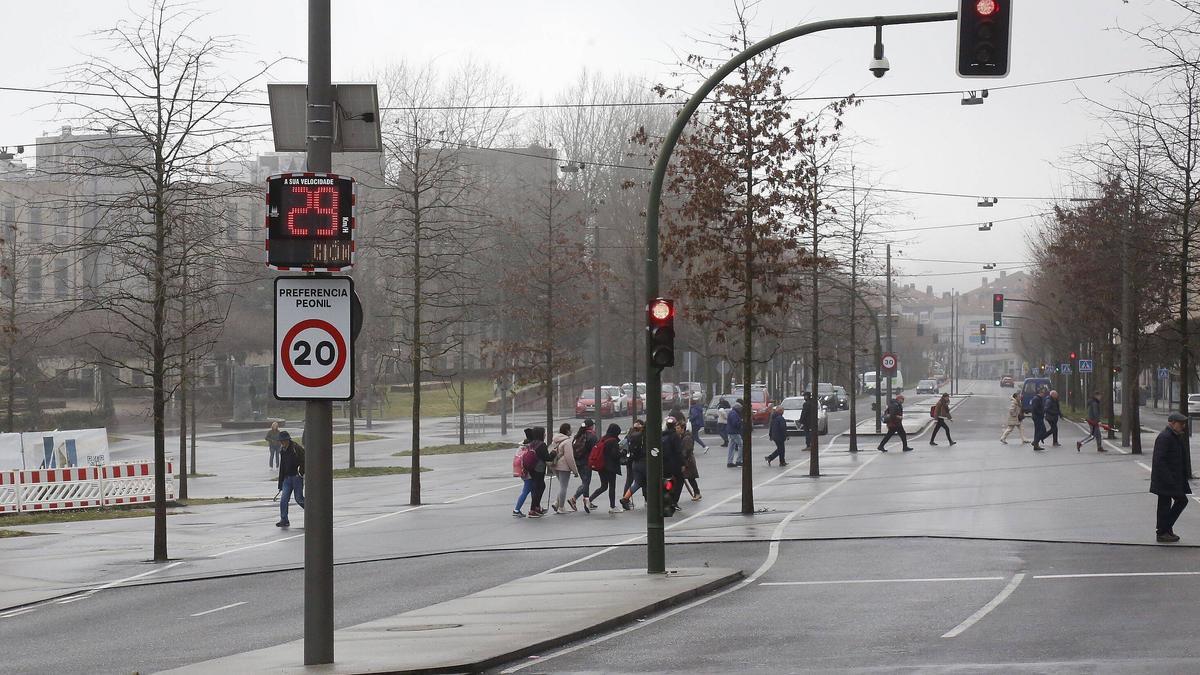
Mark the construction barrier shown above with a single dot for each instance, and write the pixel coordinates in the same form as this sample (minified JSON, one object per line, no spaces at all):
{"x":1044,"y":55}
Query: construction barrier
{"x":81,"y":487}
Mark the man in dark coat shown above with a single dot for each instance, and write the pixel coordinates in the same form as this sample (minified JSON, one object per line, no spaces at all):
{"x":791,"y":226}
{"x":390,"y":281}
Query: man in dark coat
{"x":672,"y":454}
{"x":895,"y":424}
{"x":1037,"y":410}
{"x":777,"y":431}
{"x":1169,"y":477}
{"x":1053,"y":412}
{"x":291,"y":476}
{"x":808,"y":415}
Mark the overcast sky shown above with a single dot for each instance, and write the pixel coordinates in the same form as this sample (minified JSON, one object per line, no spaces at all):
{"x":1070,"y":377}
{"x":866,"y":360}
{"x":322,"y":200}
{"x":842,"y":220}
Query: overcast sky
{"x":1015,"y":145}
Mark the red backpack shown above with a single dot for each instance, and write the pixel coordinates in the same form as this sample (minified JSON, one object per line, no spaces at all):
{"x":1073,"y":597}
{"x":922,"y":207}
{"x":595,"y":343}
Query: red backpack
{"x":596,"y":459}
{"x":522,"y":461}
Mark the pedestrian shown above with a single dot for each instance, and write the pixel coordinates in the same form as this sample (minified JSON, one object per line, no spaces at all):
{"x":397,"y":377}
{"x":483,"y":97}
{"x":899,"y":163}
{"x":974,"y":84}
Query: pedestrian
{"x":581,"y":447}
{"x":895,"y":424}
{"x":696,"y":417}
{"x":690,"y":471}
{"x":523,"y":462}
{"x":635,"y":464}
{"x":733,"y":429}
{"x":291,"y":476}
{"x":562,"y":463}
{"x":941,"y":412}
{"x":1053,"y":413}
{"x":1037,"y":410}
{"x":1169,"y":477}
{"x":1013,"y":421}
{"x":777,"y":431}
{"x":723,"y":421}
{"x":808,"y":415}
{"x":672,"y":454}
{"x":1093,"y":420}
{"x":542,"y":451}
{"x":273,"y":445}
{"x":606,"y":461}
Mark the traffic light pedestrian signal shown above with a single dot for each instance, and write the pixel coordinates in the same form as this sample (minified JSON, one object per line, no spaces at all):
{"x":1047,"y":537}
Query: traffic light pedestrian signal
{"x":984,"y":37}
{"x":983,"y":333}
{"x":661,"y":325}
{"x":1074,"y":356}
{"x":997,"y":309}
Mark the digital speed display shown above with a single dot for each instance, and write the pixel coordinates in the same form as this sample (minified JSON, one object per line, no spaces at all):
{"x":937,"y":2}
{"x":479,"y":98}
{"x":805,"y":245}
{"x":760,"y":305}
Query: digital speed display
{"x":310,"y":222}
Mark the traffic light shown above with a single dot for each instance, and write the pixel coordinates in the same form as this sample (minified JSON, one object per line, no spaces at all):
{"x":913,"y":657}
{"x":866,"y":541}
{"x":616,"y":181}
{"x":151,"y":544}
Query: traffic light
{"x":997,"y":309}
{"x":669,"y":506}
{"x":983,"y":333}
{"x":1074,"y":356}
{"x":983,"y":37}
{"x":661,"y":324}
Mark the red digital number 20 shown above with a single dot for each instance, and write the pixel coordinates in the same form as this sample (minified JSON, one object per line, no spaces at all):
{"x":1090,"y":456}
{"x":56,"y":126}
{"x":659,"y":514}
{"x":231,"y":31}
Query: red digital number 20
{"x":321,"y":220}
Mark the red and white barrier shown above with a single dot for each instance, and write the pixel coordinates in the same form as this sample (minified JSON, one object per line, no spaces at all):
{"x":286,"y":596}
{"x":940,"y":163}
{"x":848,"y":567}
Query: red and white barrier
{"x":8,"y":492}
{"x":54,"y":489}
{"x":80,"y":487}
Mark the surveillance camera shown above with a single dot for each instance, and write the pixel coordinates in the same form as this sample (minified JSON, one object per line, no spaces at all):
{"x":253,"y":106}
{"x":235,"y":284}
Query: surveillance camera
{"x":879,"y":66}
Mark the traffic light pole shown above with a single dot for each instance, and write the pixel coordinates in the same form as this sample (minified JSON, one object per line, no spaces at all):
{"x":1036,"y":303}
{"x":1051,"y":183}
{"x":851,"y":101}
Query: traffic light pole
{"x":655,"y":544}
{"x":318,"y":415}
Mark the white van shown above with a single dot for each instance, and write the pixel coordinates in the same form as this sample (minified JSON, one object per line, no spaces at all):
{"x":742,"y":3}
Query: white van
{"x":868,"y":382}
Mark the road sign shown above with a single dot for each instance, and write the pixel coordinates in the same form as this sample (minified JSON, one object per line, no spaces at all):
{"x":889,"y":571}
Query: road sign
{"x":1164,"y":374}
{"x":310,"y":222}
{"x":314,"y":355}
{"x":1065,"y":369}
{"x":888,"y":362}
{"x":1085,"y":365}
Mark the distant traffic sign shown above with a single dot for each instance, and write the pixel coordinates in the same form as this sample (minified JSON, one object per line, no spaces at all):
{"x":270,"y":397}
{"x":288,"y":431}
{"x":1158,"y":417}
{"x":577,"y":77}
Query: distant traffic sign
{"x":1164,"y":374}
{"x":314,"y":356}
{"x":889,"y":363}
{"x":1065,"y":369}
{"x":1085,"y":365}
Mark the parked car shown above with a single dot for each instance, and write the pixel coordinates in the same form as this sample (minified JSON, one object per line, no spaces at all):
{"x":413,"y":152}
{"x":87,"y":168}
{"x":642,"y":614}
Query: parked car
{"x":671,"y":396}
{"x":690,"y":389}
{"x":1193,"y":404}
{"x":927,"y":387}
{"x":792,"y":408}
{"x":1007,"y":381}
{"x":585,"y":405}
{"x":627,"y":405}
{"x":842,"y":396}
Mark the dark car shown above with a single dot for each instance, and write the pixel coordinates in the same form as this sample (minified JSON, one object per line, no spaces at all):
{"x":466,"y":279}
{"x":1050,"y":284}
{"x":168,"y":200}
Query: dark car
{"x":710,"y":412}
{"x":1030,"y":389}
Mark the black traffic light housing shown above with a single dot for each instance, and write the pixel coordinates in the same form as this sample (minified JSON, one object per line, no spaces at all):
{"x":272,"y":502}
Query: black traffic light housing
{"x":997,"y":309}
{"x":983,"y":333}
{"x":984,"y":37}
{"x":660,"y":322}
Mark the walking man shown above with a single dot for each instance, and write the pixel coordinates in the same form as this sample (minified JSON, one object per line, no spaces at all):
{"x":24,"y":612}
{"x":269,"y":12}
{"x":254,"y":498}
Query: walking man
{"x":778,"y":433}
{"x":895,"y":424}
{"x":1168,"y":476}
{"x":696,"y":418}
{"x":808,"y":414}
{"x":1037,"y":410}
{"x":291,"y":475}
{"x":723,"y":422}
{"x":1093,"y":420}
{"x":1053,"y":413}
{"x":942,"y":413}
{"x":733,"y":429}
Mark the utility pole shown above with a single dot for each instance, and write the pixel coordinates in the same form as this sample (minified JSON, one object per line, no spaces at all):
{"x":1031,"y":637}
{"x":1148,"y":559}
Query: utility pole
{"x":318,"y":415}
{"x":889,"y":325}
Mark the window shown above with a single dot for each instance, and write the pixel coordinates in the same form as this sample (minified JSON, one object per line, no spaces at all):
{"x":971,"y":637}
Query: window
{"x":35,"y":224}
{"x":231,"y":225}
{"x":34,"y":290}
{"x":60,"y":278}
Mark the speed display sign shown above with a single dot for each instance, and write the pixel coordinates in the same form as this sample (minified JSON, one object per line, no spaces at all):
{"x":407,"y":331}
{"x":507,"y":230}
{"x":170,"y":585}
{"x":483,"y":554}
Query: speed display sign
{"x":310,"y":222}
{"x":314,"y":355}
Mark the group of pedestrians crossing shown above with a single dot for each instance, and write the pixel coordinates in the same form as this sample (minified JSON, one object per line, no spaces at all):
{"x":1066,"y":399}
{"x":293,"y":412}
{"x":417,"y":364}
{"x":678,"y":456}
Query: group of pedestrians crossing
{"x":1046,"y":411}
{"x":584,"y":456}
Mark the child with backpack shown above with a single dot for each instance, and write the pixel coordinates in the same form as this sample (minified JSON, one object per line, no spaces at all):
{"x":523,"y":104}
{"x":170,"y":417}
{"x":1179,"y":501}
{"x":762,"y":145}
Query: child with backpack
{"x":523,"y":462}
{"x":605,"y":459}
{"x":581,"y":445}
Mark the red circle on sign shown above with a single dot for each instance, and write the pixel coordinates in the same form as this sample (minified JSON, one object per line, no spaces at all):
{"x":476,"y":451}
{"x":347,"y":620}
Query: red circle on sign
{"x":286,"y":349}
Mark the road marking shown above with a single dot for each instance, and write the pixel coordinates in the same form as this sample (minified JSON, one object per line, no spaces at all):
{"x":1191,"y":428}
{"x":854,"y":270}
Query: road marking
{"x":218,"y":609}
{"x":479,"y":494}
{"x":247,"y":548}
{"x":19,"y":612}
{"x":772,"y":557}
{"x":1143,"y":465}
{"x":983,"y":611}
{"x":879,"y":581}
{"x":1116,"y":574}
{"x":67,"y":601}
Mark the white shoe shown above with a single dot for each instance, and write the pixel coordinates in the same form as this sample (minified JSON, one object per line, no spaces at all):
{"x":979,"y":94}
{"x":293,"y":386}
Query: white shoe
{"x":616,"y":511}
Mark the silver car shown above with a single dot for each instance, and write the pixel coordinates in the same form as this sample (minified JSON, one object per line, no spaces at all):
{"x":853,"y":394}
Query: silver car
{"x":793,"y":406}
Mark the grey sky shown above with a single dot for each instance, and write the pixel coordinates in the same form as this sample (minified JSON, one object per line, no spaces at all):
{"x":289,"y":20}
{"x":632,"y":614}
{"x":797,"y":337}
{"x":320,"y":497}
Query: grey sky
{"x":1013,"y":145}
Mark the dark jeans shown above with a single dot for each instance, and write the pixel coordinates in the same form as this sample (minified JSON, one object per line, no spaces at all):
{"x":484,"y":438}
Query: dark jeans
{"x":941,"y":424}
{"x":898,"y":431}
{"x":292,"y":485}
{"x":1169,"y":509}
{"x":1052,"y":432}
{"x":1093,"y":432}
{"x":1039,"y":429}
{"x":695,"y":486}
{"x":585,"y":475}
{"x":779,"y":450}
{"x":539,"y":489}
{"x":608,"y":481}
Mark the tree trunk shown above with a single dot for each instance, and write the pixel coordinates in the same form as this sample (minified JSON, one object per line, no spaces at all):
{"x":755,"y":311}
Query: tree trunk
{"x":159,"y":362}
{"x":414,"y":494}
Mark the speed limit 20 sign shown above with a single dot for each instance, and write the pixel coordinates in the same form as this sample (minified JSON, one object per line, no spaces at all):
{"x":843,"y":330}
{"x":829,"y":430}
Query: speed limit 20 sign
{"x":314,"y":356}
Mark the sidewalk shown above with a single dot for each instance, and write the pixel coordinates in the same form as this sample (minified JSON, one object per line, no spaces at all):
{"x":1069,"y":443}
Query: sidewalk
{"x":489,"y":628}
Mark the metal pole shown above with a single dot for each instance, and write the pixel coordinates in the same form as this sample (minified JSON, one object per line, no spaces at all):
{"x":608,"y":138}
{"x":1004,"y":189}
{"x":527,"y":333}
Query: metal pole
{"x":889,"y":319}
{"x":596,"y":321}
{"x":318,"y":415}
{"x":655,"y":544}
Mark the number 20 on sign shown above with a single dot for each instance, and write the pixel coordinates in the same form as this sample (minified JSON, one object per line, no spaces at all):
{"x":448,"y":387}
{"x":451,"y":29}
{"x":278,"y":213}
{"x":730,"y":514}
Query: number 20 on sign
{"x":314,"y":357}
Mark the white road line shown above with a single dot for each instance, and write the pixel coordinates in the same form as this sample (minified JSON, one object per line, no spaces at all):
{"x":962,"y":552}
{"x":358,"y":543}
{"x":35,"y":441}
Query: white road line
{"x":1115,"y":574}
{"x":73,"y":598}
{"x":218,"y":609}
{"x":772,"y":556}
{"x":385,"y":515}
{"x":258,"y":545}
{"x":983,"y":611}
{"x":480,"y":494}
{"x":19,"y":612}
{"x":1143,"y":465}
{"x":118,"y":582}
{"x":879,"y":581}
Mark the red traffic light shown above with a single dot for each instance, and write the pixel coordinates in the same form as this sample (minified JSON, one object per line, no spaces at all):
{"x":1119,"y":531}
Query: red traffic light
{"x":661,"y":310}
{"x":999,"y":297}
{"x":986,"y":8}
{"x":1073,"y":356}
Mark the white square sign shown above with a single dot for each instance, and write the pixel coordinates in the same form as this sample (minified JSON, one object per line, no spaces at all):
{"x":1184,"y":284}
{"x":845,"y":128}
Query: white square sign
{"x":314,"y":356}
